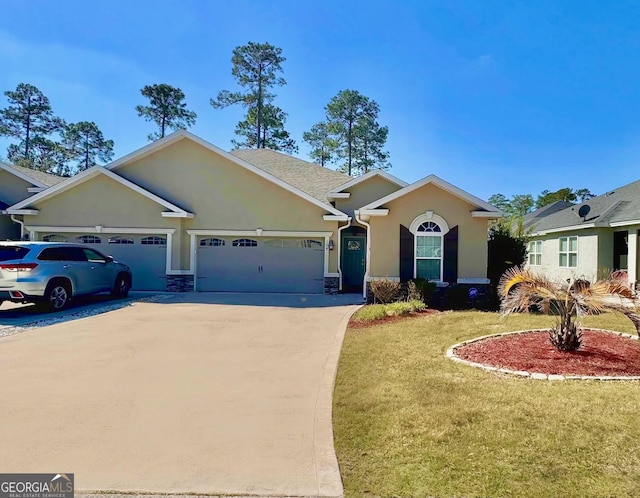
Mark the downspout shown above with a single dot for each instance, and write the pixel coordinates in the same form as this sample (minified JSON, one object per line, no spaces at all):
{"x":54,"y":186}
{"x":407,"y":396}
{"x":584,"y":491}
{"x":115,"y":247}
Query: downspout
{"x":339,"y":249}
{"x":368,"y":264}
{"x":19,"y":222}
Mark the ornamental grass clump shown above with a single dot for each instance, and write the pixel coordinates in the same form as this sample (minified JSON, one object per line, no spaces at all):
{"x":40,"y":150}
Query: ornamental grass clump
{"x":569,"y":301}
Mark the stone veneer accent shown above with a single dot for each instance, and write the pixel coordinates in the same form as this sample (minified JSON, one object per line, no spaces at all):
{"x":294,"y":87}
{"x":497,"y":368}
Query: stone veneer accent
{"x":331,"y":285}
{"x":179,"y":283}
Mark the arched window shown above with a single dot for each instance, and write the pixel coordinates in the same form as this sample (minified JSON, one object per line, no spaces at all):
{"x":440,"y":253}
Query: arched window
{"x":54,"y":237}
{"x":429,"y":230}
{"x":120,"y":240}
{"x":212,"y":242}
{"x":429,"y":251}
{"x":153,"y":241}
{"x":88,"y":239}
{"x":244,"y":243}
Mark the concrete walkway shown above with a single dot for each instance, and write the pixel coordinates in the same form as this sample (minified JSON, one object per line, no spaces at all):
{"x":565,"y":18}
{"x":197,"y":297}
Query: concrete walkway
{"x":201,"y":393}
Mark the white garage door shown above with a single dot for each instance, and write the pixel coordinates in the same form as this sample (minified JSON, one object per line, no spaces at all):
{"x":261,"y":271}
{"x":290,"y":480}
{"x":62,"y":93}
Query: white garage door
{"x":260,"y":264}
{"x":145,"y":254}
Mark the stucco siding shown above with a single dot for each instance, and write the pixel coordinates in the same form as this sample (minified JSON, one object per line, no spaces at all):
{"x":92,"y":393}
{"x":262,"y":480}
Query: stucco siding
{"x":366,"y":192}
{"x":12,"y":188}
{"x":223,"y":195}
{"x":472,"y":242}
{"x":588,"y":259}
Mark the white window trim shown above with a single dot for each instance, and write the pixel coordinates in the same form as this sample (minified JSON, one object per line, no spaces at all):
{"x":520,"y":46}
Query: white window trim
{"x":534,"y":253}
{"x":416,"y":258}
{"x":568,"y":251}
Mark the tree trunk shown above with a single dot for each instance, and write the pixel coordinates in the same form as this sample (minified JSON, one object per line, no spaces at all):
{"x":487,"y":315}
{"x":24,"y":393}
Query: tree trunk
{"x":349,"y":138}
{"x":28,"y":135}
{"x":259,"y":113}
{"x":162,"y":126}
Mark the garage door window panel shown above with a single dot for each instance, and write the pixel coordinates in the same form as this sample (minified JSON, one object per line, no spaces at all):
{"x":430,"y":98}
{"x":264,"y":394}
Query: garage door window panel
{"x":244,"y":243}
{"x":120,"y":240}
{"x":55,"y":237}
{"x":212,"y":242}
{"x":153,"y":241}
{"x":88,"y":239}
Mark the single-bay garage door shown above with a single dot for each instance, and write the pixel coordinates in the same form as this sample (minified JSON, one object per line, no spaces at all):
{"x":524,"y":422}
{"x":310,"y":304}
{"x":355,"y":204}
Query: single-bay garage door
{"x":145,"y":254}
{"x":260,"y":264}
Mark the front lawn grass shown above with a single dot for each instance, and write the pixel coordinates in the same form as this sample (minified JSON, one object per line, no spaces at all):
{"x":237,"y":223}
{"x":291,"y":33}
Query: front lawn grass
{"x":410,"y":422}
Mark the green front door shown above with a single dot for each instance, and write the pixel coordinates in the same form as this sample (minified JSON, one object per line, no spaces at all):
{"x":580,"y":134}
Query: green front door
{"x":353,"y":262}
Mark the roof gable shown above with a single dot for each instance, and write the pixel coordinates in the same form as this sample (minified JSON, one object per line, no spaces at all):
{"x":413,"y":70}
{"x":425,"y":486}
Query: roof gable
{"x":367,"y":176}
{"x":439,"y":182}
{"x":185,"y":135}
{"x":87,"y":175}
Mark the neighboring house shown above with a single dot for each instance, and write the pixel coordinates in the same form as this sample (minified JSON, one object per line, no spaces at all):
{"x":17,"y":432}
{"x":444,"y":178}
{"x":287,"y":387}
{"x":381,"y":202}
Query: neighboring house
{"x":186,"y":215}
{"x":16,"y":184}
{"x":588,"y":240}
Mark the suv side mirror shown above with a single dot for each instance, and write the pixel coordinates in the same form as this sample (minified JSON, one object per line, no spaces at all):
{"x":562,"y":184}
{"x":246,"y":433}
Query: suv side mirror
{"x":109,"y":259}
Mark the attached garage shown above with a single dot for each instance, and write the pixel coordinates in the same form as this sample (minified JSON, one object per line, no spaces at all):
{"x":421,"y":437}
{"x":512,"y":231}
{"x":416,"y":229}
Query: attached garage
{"x":145,"y":254}
{"x":260,"y":264}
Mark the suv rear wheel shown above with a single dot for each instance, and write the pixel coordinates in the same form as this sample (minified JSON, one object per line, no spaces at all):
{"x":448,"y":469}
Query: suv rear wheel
{"x":57,"y":295}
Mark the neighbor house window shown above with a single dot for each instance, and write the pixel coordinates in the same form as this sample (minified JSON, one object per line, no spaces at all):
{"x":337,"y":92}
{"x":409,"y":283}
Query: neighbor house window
{"x":429,"y":251}
{"x":88,"y":239}
{"x":245,"y":243}
{"x":120,"y":240}
{"x":54,"y":237}
{"x":154,"y":241}
{"x":568,"y":252}
{"x":212,"y":242}
{"x":535,"y":253}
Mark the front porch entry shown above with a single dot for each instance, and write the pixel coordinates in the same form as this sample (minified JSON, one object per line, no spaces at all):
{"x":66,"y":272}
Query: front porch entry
{"x":353,"y":258}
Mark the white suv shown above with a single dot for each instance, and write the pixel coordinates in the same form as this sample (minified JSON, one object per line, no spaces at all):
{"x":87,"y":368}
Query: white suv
{"x":52,"y":273}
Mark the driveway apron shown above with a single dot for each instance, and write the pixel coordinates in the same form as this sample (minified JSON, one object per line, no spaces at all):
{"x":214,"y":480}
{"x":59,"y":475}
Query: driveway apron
{"x":202,"y":393}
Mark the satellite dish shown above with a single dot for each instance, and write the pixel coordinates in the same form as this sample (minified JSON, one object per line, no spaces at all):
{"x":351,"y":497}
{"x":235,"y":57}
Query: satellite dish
{"x":584,"y":211}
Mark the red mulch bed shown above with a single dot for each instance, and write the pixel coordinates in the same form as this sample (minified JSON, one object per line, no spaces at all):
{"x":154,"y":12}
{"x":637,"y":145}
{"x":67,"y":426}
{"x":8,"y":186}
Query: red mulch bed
{"x":601,"y":354}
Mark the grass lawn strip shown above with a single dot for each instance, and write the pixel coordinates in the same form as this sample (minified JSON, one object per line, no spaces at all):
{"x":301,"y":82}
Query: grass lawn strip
{"x":410,"y":422}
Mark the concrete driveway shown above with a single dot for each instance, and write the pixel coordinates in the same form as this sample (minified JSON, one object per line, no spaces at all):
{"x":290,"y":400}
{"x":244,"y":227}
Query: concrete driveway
{"x":201,"y":393}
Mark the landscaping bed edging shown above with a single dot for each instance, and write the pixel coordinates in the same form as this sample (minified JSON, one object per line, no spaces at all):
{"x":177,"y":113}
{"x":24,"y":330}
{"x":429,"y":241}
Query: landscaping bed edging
{"x":535,"y":375}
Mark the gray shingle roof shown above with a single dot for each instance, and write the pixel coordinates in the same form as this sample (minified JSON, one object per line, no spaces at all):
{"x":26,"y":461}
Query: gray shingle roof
{"x":44,"y":178}
{"x":534,"y":217}
{"x":308,"y":177}
{"x":619,"y":205}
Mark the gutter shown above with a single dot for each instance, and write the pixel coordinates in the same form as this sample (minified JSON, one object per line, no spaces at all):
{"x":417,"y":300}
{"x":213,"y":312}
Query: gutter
{"x":360,"y":219}
{"x":19,"y":222}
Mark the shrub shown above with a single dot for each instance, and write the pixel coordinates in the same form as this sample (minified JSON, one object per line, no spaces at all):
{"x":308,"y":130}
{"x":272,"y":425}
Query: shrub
{"x":457,"y":297}
{"x":370,"y":313}
{"x":420,"y":289}
{"x":385,"y":291}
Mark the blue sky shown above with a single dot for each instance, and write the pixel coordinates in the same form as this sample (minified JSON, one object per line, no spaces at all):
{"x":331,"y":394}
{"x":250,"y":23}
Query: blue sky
{"x":493,"y":96}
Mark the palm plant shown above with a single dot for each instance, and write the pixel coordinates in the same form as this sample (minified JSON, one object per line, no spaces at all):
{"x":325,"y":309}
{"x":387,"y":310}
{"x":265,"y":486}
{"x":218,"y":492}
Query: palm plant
{"x":570,"y":301}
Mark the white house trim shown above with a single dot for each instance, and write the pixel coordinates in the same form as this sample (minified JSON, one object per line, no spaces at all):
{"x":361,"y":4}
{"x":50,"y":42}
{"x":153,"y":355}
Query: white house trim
{"x":624,"y":223}
{"x":172,"y":214}
{"x":31,"y":212}
{"x":85,"y":176}
{"x":35,"y":190}
{"x":373,"y":212}
{"x":333,"y":217}
{"x":565,"y":229}
{"x":474,"y":280}
{"x":486,"y":214}
{"x":338,"y":195}
{"x":365,"y":177}
{"x":184,"y":134}
{"x":9,"y":169}
{"x":100,"y":229}
{"x":429,"y":216}
{"x":439,"y":182}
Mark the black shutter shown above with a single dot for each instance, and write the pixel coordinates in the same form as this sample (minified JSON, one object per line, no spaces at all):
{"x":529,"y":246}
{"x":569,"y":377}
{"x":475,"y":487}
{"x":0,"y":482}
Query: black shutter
{"x":406,"y":254}
{"x":450,"y":269}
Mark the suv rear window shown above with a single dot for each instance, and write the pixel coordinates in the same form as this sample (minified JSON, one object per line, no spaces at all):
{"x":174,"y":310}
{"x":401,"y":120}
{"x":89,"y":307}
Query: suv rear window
{"x":7,"y":253}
